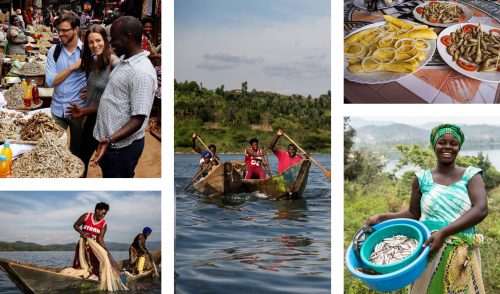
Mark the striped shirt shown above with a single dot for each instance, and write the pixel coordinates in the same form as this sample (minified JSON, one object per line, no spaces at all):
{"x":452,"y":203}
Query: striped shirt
{"x":130,"y":91}
{"x":69,"y":90}
{"x":441,"y":205}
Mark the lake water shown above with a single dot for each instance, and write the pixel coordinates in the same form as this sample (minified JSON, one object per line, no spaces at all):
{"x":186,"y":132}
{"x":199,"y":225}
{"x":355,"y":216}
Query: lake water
{"x":61,"y":259}
{"x":246,"y":244}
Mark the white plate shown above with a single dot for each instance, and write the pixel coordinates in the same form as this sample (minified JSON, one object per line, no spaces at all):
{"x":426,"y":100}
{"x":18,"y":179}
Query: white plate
{"x":361,"y":4}
{"x":467,"y":11}
{"x":493,"y":76}
{"x":380,"y":77}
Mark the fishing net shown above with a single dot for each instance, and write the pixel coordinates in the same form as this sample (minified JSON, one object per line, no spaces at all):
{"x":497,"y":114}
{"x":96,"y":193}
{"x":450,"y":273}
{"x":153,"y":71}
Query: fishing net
{"x":110,"y":276}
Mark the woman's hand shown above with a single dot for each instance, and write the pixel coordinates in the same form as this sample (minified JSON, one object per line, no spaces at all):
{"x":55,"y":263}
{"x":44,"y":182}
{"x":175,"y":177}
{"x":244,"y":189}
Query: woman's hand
{"x":74,"y":111}
{"x":83,"y":94}
{"x":373,"y":220}
{"x":436,"y":240}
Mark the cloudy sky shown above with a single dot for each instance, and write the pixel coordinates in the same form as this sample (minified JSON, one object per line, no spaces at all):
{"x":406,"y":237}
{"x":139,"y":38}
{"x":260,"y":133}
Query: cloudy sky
{"x":279,"y":45}
{"x":48,"y":217}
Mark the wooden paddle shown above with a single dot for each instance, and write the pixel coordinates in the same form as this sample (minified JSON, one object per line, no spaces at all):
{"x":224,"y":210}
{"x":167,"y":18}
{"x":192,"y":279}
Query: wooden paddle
{"x":266,"y":166}
{"x":327,"y":173}
{"x":196,"y":176}
{"x":208,"y":149}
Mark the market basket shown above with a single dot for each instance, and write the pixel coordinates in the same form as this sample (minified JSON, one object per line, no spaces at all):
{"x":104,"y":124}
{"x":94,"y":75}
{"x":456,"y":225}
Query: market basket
{"x":31,"y":71}
{"x":32,"y":107}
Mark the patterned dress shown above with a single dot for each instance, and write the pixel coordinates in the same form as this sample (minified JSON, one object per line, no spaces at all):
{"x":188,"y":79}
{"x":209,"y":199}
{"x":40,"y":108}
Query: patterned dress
{"x":441,"y":205}
{"x":456,"y":266}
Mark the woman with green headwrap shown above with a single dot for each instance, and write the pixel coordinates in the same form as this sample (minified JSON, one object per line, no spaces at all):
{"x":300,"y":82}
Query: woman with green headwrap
{"x":450,"y":201}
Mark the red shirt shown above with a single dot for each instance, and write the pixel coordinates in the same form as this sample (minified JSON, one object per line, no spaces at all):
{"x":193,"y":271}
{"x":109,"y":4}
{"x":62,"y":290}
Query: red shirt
{"x":146,"y":46}
{"x":253,"y":161}
{"x":285,"y":161}
{"x":91,"y":228}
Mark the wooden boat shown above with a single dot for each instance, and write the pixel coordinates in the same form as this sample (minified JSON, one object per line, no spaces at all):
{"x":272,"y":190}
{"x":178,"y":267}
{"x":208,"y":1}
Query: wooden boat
{"x":35,"y":279}
{"x":290,"y":184}
{"x":221,"y":180}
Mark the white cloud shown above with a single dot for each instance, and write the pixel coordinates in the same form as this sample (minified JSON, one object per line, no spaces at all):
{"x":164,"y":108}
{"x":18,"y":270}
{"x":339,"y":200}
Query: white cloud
{"x":36,"y":220}
{"x":295,"y":57}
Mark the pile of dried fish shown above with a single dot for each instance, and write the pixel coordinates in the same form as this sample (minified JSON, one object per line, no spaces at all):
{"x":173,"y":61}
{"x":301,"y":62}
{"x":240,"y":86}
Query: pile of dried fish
{"x":472,"y":44}
{"x":10,"y":115}
{"x":39,"y":126}
{"x":13,"y":126}
{"x":49,"y":159}
{"x":393,"y":249}
{"x":7,"y":131}
{"x":441,"y":12}
{"x":32,"y":69}
{"x":14,"y":97}
{"x":9,"y":125}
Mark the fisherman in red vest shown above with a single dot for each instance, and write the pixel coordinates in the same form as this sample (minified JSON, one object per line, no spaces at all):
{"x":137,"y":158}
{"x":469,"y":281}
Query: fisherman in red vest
{"x":94,"y":226}
{"x":285,"y":159}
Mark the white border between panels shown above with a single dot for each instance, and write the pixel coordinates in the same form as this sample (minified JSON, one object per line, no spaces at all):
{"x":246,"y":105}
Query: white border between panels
{"x":337,"y":198}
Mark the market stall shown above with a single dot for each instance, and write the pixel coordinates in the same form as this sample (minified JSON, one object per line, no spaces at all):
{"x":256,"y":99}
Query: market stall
{"x":39,"y":146}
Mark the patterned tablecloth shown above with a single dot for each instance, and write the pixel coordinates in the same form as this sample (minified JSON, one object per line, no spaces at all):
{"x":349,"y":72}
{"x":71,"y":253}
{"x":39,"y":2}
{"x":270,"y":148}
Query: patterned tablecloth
{"x":436,"y":82}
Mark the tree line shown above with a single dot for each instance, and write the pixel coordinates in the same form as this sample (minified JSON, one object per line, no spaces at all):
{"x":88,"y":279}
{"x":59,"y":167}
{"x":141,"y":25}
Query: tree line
{"x":231,"y":117}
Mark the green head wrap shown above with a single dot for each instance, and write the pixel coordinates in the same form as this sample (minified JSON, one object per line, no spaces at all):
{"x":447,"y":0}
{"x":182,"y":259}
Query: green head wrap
{"x":452,"y":129}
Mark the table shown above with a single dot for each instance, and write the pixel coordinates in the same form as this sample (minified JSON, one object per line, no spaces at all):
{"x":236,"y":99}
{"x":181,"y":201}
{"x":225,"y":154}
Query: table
{"x":436,"y":82}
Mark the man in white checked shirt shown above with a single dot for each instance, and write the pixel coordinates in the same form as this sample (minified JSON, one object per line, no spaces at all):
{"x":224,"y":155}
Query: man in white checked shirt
{"x":125,"y":104}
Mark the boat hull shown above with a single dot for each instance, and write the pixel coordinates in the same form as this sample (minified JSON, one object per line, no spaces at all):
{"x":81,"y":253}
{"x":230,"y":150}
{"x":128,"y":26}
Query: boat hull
{"x":290,"y":184}
{"x":31,"y":279}
{"x":34,"y":279}
{"x":224,"y":179}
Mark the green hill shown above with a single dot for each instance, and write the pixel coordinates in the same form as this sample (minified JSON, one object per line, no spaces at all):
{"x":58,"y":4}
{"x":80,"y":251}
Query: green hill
{"x":230,"y":118}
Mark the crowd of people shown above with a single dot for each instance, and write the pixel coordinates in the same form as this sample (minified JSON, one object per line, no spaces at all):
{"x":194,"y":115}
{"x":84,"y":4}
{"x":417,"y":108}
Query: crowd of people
{"x":104,"y":82}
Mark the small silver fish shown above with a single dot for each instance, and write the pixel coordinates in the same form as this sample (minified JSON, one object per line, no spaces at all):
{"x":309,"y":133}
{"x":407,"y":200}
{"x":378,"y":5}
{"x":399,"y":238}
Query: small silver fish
{"x":393,"y":249}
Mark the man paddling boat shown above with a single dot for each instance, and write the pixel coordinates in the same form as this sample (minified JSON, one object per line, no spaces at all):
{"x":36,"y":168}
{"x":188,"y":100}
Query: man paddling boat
{"x":285,"y":159}
{"x":211,"y":147}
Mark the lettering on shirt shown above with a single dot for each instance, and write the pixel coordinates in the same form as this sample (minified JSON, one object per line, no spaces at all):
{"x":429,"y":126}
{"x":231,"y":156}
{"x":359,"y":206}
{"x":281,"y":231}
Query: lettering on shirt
{"x":91,"y":229}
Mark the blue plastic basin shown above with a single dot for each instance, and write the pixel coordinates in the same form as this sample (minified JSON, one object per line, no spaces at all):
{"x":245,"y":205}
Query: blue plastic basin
{"x":387,"y":232}
{"x":398,"y":279}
